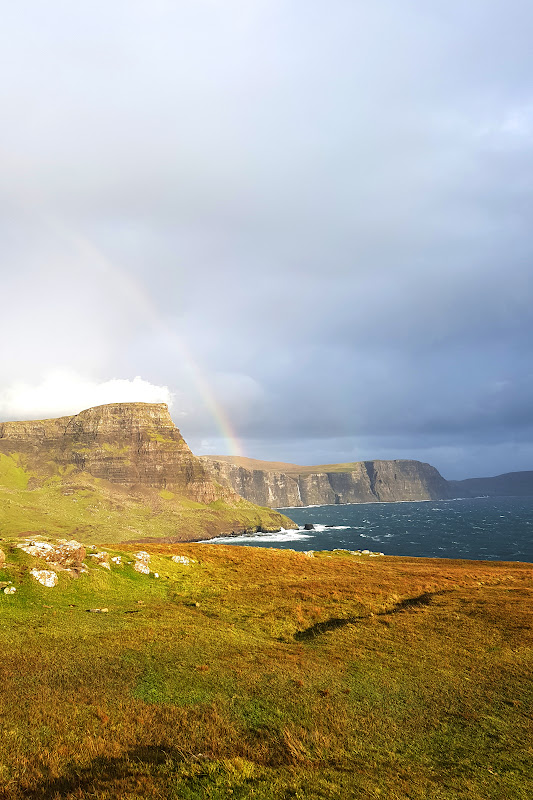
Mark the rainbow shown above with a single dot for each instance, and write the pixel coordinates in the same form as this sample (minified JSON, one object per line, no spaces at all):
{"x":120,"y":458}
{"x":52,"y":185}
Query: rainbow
{"x":138,"y":298}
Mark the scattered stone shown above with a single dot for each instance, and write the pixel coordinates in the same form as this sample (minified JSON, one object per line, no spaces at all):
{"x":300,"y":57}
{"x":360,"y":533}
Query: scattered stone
{"x":64,"y":555}
{"x":117,"y":560}
{"x":97,"y":610}
{"x":141,"y":562}
{"x":309,"y":553}
{"x":9,"y":590}
{"x":102,"y":559}
{"x":37,"y":549}
{"x":183,"y":560}
{"x":156,"y":574}
{"x":45,"y":577}
{"x":69,"y":554}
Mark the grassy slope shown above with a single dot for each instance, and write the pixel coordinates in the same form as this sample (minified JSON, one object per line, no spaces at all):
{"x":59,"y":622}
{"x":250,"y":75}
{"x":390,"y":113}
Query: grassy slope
{"x":266,"y":674}
{"x":76,"y":504}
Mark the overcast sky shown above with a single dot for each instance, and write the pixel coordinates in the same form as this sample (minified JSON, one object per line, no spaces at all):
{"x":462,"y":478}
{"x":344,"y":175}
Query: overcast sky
{"x":310,"y":222}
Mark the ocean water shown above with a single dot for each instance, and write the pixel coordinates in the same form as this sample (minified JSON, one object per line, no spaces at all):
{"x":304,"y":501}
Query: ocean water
{"x":492,"y":528}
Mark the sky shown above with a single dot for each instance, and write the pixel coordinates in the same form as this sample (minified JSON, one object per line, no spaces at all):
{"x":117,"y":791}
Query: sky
{"x":307,"y":226}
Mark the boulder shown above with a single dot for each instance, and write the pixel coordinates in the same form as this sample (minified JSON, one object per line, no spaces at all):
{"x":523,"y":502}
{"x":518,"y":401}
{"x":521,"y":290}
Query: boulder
{"x":64,"y":555}
{"x":141,"y":562}
{"x":183,"y":560}
{"x":102,"y":559}
{"x":45,"y":577}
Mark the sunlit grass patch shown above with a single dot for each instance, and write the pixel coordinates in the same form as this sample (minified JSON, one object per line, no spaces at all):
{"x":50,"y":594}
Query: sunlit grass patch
{"x":199,"y":683}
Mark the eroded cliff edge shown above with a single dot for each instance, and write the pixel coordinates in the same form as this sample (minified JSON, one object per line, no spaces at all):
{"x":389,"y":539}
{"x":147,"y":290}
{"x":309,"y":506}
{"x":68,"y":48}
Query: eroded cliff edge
{"x":285,"y":485}
{"x":114,"y":469}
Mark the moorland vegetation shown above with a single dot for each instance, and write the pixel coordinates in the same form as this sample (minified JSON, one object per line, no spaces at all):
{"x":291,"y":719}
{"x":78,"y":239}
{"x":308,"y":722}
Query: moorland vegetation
{"x":257,"y":673}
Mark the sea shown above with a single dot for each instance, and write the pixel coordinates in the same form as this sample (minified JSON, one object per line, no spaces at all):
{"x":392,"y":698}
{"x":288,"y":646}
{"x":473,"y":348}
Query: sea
{"x":483,"y":528}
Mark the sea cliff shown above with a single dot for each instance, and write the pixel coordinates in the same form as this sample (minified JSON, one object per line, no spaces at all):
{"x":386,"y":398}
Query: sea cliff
{"x":284,"y":485}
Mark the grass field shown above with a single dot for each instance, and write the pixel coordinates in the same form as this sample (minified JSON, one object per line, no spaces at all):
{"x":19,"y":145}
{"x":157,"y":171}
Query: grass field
{"x":257,"y":673}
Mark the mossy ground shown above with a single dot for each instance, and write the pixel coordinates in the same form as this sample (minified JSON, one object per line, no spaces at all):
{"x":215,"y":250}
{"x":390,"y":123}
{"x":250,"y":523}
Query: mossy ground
{"x":265,"y":674}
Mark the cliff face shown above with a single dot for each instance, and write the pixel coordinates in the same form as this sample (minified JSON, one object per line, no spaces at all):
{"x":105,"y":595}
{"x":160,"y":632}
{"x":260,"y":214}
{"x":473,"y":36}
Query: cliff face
{"x":361,"y":482}
{"x":133,"y":444}
{"x":129,"y":456}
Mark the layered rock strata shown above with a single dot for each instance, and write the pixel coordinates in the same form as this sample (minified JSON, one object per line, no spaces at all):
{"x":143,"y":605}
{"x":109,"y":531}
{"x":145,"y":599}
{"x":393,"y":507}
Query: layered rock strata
{"x":130,"y":444}
{"x":283,"y":486}
{"x":81,"y":472}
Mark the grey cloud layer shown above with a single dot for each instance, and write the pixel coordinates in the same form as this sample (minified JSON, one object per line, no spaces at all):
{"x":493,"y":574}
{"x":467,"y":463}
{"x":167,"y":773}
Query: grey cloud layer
{"x":327,"y":207}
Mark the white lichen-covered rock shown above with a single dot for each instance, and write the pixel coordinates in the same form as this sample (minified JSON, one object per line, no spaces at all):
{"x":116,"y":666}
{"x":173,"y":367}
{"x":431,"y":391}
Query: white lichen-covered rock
{"x":143,"y":556}
{"x":102,"y":559}
{"x":183,"y":560}
{"x":116,"y":560}
{"x":68,"y":554}
{"x":142,"y":559}
{"x":9,"y":590}
{"x":63,"y":555}
{"x":309,"y":553}
{"x":45,"y":577}
{"x":37,"y":549}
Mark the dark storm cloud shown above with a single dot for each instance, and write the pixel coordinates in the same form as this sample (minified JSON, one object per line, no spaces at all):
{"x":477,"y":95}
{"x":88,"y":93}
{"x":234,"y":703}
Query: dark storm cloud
{"x":323,"y":209}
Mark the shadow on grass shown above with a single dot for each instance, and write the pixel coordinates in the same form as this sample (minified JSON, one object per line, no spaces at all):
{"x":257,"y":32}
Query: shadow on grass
{"x":411,"y":602}
{"x":103,"y":773}
{"x":323,"y":627}
{"x":339,"y":622}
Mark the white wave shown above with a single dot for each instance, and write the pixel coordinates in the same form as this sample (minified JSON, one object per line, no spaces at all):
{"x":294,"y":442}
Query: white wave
{"x":283,"y":535}
{"x":329,"y":528}
{"x":282,"y":508}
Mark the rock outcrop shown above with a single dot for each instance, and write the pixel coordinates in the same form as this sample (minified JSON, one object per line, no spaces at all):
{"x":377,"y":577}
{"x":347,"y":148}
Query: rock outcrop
{"x":122,"y":462}
{"x":131,"y":444}
{"x":286,"y":485}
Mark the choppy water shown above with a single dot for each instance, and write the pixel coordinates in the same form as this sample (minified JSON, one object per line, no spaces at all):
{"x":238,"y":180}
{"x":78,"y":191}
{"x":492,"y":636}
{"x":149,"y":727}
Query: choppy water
{"x":482,"y":528}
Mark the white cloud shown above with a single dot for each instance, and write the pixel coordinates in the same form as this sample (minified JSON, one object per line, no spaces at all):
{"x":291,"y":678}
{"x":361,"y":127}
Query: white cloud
{"x":61,"y":393}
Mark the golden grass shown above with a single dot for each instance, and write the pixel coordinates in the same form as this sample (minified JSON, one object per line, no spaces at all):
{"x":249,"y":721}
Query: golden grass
{"x":265,"y":674}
